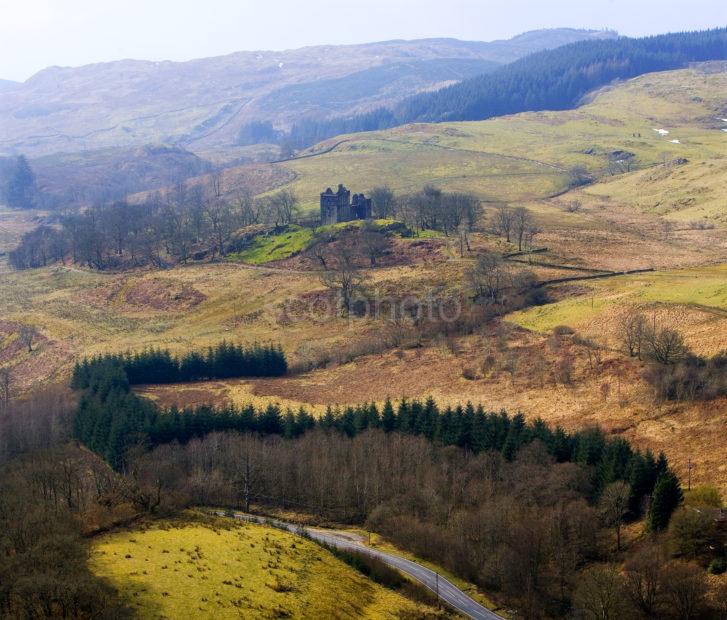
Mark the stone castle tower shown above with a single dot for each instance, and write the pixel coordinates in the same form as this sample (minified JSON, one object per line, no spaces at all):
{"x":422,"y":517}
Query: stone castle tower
{"x":340,"y":207}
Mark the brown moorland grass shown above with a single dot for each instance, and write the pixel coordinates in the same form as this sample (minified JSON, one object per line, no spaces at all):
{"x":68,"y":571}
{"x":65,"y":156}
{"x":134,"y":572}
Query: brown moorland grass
{"x":518,"y":158}
{"x":682,"y":430}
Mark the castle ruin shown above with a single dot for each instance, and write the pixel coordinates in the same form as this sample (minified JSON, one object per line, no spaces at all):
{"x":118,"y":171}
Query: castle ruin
{"x":340,"y":207}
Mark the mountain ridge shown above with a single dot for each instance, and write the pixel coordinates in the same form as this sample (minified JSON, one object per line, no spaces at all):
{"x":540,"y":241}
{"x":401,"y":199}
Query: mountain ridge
{"x":203,"y":103}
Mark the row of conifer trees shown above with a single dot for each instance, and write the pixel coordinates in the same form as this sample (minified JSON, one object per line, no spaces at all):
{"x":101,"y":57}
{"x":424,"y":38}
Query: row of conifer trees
{"x":111,"y":420}
{"x":224,"y":361}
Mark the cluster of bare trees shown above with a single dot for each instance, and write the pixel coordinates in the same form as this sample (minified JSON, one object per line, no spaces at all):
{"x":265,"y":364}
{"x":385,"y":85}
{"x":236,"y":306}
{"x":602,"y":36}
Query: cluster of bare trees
{"x":51,"y":491}
{"x":429,"y":209}
{"x":36,"y":423}
{"x":515,"y":226}
{"x":44,"y":498}
{"x":343,"y":254}
{"x":674,"y":372}
{"x":649,"y":586}
{"x":480,"y":516}
{"x":185,"y":222}
{"x":492,"y":282}
{"x":644,"y":339}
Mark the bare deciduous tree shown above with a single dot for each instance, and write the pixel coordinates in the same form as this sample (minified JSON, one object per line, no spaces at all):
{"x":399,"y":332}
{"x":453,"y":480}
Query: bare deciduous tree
{"x":344,"y":277}
{"x":285,"y":204}
{"x":522,"y":222}
{"x":573,"y":206}
{"x":384,"y":201}
{"x":488,"y":278}
{"x":27,"y":335}
{"x":599,"y":594}
{"x":614,"y":505}
{"x":222,"y":222}
{"x":665,"y":346}
{"x":247,"y":208}
{"x":633,"y":329}
{"x":503,"y":221}
{"x":319,"y":246}
{"x":685,"y":588}
{"x":642,"y":573}
{"x":374,"y":242}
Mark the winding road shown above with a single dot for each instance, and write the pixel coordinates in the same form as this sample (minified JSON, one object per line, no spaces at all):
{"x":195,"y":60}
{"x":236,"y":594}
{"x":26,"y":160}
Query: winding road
{"x":446,"y":590}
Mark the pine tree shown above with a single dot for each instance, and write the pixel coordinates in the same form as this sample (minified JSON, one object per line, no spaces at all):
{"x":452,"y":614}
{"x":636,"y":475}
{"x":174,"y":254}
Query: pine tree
{"x":481,"y":435}
{"x":290,"y":425}
{"x":328,"y":421}
{"x":271,"y":422}
{"x":388,"y":418}
{"x":429,"y":424}
{"x":374,"y":420}
{"x":20,"y":190}
{"x":667,"y":497}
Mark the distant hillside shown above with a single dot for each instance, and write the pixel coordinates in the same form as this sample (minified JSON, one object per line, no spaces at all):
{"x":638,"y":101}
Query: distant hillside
{"x":672,"y":115}
{"x":555,"y":79}
{"x":203,"y":104}
{"x":110,"y":174}
{"x":75,"y":179}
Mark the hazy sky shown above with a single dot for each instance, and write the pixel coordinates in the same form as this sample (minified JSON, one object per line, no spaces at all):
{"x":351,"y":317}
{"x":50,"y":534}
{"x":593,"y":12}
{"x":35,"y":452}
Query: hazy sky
{"x":38,"y":33}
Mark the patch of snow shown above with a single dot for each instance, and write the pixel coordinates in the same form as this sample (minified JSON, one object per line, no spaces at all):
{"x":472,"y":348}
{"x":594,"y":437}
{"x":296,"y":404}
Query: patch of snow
{"x":724,"y":130}
{"x":724,"y":120}
{"x":259,"y":57}
{"x":280,"y":65}
{"x":661,"y":132}
{"x":675,"y":141}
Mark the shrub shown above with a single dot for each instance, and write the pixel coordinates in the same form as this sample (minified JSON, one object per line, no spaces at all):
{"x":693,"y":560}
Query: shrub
{"x":690,"y":378}
{"x":718,"y":566}
{"x":692,"y":532}
{"x":703,"y":495}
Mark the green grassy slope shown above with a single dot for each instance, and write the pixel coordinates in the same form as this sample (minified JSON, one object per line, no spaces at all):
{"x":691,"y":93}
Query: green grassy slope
{"x":526,"y":156}
{"x":220,"y":570}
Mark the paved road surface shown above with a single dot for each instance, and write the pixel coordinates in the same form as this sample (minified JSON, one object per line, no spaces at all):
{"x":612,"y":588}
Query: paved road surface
{"x":447,"y":591}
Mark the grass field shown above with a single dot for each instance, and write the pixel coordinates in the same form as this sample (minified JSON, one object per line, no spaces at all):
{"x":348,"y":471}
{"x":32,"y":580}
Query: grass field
{"x":692,"y":192}
{"x":268,"y":248}
{"x":216,"y":569}
{"x":693,"y":300}
{"x":78,"y":312}
{"x":524,"y":157}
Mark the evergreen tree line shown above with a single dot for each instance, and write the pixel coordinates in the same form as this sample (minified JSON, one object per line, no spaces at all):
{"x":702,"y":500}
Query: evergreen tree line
{"x":554,"y":79}
{"x":111,"y":420}
{"x":224,"y":361}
